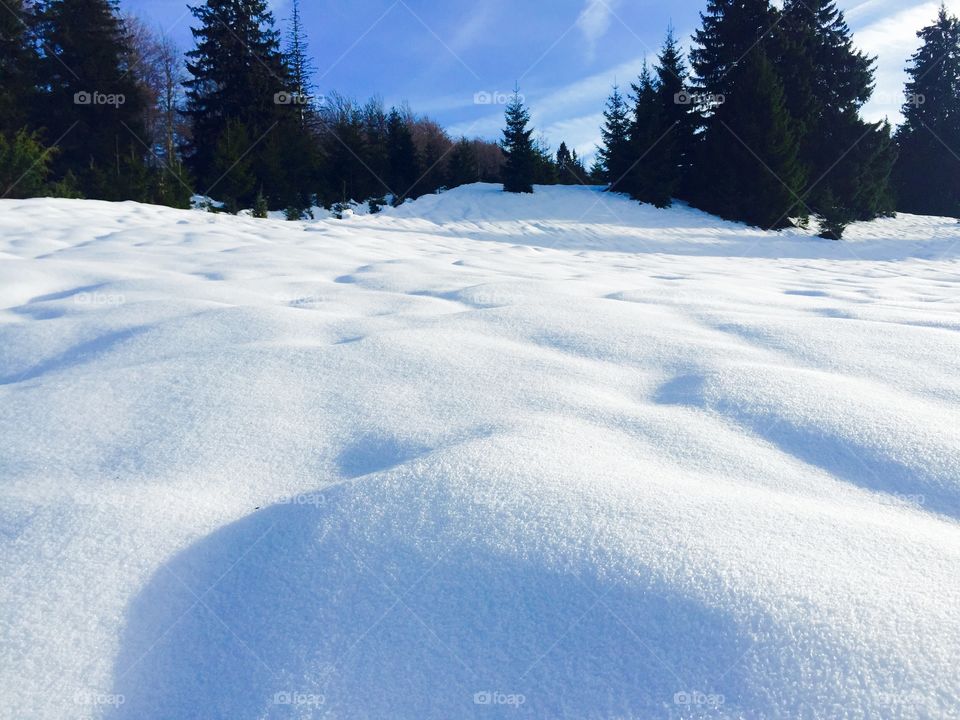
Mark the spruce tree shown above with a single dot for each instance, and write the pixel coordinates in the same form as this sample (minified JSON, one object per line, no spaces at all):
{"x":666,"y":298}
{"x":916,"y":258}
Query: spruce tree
{"x":927,"y":173}
{"x":402,"y":159}
{"x":654,"y":174}
{"x":521,"y":156}
{"x":615,"y":153}
{"x":238,"y":75}
{"x":92,"y":107}
{"x":751,"y":154}
{"x":730,"y":29}
{"x":463,"y":168}
{"x":18,"y":66}
{"x":678,"y":117}
{"x":299,"y":65}
{"x":826,"y":82}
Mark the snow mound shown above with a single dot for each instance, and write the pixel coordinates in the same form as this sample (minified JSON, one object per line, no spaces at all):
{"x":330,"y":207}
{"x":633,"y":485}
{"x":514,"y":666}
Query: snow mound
{"x":480,"y":455}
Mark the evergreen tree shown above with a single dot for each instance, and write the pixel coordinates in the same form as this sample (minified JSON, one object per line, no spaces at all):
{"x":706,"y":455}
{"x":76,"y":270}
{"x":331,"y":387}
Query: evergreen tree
{"x":751,"y":153}
{"x":235,"y":179}
{"x":92,"y":106}
{"x":521,"y":156}
{"x":677,"y":117}
{"x":18,"y":66}
{"x":238,"y":75}
{"x":826,"y":82}
{"x":730,"y":30}
{"x":434,"y":176}
{"x":598,"y":171}
{"x":545,"y":170}
{"x":403,"y":162}
{"x":927,"y":173}
{"x":615,"y":154}
{"x":24,"y":165}
{"x":300,"y":65}
{"x":654,"y":174}
{"x":570,"y":170}
{"x":463,"y":168}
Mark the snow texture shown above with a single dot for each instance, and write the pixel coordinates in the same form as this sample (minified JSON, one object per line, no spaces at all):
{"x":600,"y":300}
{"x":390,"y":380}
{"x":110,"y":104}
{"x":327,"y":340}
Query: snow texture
{"x":479,"y":456}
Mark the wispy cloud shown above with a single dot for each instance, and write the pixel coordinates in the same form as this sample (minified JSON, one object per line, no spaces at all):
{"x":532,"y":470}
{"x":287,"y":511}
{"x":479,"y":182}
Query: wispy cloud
{"x":594,"y":21}
{"x":893,"y":39}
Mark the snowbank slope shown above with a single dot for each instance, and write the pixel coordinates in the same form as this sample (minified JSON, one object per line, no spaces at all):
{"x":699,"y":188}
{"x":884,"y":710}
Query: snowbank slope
{"x":478,"y":456}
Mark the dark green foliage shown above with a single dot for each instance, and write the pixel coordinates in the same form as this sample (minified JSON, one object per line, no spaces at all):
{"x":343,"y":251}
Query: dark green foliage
{"x":19,"y":65}
{"x":927,"y":173}
{"x":239,"y":77}
{"x":654,"y":174}
{"x":403,"y":163}
{"x":544,"y":168}
{"x":463,"y":168}
{"x":260,"y":208}
{"x":615,"y":154}
{"x":233,"y":178}
{"x":24,"y":165}
{"x":520,"y":167}
{"x":826,"y":82}
{"x":730,"y":29}
{"x":750,"y":167}
{"x":433,"y":177}
{"x":92,"y":108}
{"x":677,"y":122}
{"x":570,"y":170}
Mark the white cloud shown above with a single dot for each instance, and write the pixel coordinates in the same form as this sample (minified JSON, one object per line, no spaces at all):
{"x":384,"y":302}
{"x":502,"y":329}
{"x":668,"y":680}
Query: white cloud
{"x":594,"y":21}
{"x":893,"y":39}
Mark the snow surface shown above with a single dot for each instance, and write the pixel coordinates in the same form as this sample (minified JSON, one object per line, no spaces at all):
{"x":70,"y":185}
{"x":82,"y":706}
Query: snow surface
{"x":479,"y":456}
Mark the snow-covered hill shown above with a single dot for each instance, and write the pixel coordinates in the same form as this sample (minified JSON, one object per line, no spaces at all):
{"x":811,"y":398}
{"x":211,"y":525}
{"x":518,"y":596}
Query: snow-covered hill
{"x":480,"y":456}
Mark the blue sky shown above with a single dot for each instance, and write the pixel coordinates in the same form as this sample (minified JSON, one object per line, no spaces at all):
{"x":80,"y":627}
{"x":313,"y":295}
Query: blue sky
{"x":565,"y":54}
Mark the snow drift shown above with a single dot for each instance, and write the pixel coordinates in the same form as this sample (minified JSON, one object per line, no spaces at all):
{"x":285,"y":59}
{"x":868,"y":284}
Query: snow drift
{"x":477,"y":456}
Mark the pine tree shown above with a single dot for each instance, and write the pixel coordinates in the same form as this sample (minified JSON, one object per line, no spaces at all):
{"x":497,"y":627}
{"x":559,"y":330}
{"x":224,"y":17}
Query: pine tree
{"x":463,"y":168}
{"x":235,"y":179}
{"x":927,"y":173}
{"x":654,"y":174}
{"x":730,"y":29}
{"x":615,"y":153}
{"x":402,"y":160}
{"x":826,"y":82}
{"x":751,"y":154}
{"x":521,"y":156}
{"x":238,"y":75}
{"x":18,"y":66}
{"x":545,"y":170}
{"x":675,"y":98}
{"x":24,"y":165}
{"x":92,"y":106}
{"x":300,"y":65}
{"x":569,"y":170}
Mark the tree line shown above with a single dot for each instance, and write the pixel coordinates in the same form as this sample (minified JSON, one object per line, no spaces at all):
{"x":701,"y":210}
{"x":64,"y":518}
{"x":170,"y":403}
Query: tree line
{"x":760,"y":123}
{"x":765,"y":125}
{"x":94,"y":104}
